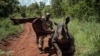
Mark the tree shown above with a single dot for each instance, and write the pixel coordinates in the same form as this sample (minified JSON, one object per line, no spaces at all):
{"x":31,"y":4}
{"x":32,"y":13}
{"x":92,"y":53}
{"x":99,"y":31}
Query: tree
{"x":42,"y":5}
{"x":82,"y":9}
{"x":57,"y":7}
{"x":8,"y":7}
{"x":22,"y":10}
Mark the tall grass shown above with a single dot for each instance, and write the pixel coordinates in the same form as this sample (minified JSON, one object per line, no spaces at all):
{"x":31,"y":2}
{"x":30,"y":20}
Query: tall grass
{"x":86,"y":34}
{"x":7,"y":28}
{"x":87,"y":37}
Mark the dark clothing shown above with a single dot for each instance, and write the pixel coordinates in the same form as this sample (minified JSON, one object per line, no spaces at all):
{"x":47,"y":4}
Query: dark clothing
{"x":47,"y":26}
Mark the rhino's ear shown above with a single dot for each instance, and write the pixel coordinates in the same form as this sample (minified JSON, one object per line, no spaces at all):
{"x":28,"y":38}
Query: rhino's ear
{"x":55,"y":23}
{"x":67,"y":20}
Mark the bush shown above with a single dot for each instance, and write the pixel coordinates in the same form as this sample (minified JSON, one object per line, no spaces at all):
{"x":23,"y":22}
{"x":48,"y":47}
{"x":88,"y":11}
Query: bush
{"x":7,"y":29}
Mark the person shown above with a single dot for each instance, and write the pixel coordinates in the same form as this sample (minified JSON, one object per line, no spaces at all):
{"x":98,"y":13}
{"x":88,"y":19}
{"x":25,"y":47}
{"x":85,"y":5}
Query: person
{"x":47,"y":26}
{"x":47,"y":23}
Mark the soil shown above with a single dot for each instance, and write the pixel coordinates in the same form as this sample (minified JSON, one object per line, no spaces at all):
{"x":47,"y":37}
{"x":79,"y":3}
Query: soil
{"x":24,"y":44}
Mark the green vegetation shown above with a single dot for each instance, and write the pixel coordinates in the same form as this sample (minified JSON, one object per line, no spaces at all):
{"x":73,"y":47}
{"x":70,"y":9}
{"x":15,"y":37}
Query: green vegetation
{"x":7,"y":28}
{"x":8,"y":7}
{"x":3,"y":53}
{"x":84,"y":25}
{"x":87,"y":37}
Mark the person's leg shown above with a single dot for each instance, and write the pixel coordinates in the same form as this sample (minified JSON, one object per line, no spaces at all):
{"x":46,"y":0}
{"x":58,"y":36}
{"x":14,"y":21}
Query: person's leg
{"x":40,"y":45}
{"x":50,"y":41}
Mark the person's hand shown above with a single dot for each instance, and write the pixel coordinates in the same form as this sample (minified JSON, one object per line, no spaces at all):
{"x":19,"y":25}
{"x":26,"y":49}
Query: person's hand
{"x":52,"y":30}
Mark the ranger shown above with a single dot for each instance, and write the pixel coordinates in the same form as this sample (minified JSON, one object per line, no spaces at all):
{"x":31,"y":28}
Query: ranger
{"x":47,"y":26}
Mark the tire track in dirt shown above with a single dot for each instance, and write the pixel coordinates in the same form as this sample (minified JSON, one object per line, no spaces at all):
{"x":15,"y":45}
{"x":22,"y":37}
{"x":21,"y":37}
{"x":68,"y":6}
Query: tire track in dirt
{"x":26,"y":45}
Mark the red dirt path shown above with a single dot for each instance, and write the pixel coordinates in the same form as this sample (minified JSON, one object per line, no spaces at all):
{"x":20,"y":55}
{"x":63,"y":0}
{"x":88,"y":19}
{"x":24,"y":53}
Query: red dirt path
{"x":25,"y":44}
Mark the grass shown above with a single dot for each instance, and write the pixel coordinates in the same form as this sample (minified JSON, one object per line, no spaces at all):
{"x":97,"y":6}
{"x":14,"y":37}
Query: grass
{"x":87,"y":37}
{"x":5,"y":53}
{"x":86,"y":34}
{"x":7,"y":28}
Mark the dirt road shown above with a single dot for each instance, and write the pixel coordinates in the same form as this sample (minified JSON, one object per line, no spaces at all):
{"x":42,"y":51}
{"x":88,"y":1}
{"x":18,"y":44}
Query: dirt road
{"x":25,"y":44}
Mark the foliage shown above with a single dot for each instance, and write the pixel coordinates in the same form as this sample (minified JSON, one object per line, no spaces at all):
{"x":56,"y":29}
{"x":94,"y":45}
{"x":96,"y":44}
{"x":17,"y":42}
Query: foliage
{"x":86,"y":33}
{"x":87,"y":10}
{"x":7,"y":29}
{"x":8,"y":7}
{"x":57,"y":8}
{"x":84,"y":14}
{"x":4,"y":53}
{"x":87,"y":37}
{"x":84,"y":9}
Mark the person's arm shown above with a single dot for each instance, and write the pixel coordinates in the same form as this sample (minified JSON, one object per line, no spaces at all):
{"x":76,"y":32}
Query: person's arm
{"x":51,"y":25}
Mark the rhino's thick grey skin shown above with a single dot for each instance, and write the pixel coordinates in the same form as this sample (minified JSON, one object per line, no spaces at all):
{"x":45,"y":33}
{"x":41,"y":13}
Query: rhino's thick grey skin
{"x":62,"y":40}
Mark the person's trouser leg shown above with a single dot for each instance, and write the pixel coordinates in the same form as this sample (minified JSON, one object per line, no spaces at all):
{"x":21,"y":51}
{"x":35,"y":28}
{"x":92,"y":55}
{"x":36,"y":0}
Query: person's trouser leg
{"x":50,"y":40}
{"x":40,"y":43}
